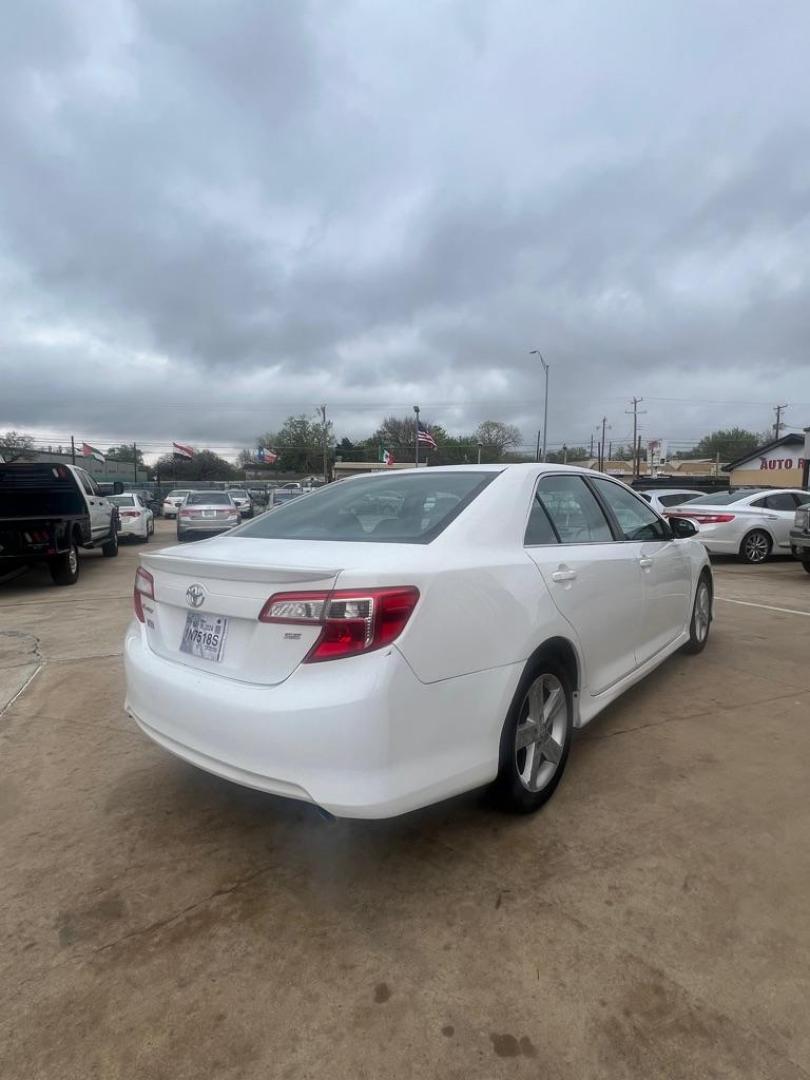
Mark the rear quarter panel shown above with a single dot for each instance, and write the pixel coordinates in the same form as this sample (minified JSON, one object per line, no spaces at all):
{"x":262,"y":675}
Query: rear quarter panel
{"x":476,"y":617}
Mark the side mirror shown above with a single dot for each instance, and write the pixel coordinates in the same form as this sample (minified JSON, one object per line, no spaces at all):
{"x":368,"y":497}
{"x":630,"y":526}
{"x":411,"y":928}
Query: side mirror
{"x":682,"y":528}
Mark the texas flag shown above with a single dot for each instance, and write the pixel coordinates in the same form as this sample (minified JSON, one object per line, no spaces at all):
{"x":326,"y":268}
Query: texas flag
{"x":267,"y":457}
{"x":183,"y":451}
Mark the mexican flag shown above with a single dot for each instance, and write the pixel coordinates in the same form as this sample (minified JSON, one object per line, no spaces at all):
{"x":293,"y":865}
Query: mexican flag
{"x":90,"y":451}
{"x":386,"y":457}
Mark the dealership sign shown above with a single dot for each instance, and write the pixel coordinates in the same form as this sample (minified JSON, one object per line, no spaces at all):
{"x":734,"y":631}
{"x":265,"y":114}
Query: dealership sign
{"x":779,"y":458}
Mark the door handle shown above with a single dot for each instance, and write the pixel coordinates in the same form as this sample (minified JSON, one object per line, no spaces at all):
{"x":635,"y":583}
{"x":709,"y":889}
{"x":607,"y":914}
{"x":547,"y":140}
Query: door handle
{"x":645,"y":562}
{"x":563,"y":575}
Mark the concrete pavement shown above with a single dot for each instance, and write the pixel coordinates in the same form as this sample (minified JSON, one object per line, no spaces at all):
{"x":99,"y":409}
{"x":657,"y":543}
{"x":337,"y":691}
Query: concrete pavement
{"x":651,"y":921}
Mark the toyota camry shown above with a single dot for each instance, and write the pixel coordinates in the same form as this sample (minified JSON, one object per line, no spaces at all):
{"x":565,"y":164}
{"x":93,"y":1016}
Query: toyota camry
{"x":394,"y":639}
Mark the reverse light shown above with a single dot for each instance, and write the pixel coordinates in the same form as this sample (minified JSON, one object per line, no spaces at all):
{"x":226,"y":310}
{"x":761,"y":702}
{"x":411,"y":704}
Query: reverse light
{"x":352,"y":620}
{"x":144,"y":586}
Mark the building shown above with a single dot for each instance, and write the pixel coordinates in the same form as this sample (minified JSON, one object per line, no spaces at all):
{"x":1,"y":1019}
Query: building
{"x":105,"y":472}
{"x":780,"y":463}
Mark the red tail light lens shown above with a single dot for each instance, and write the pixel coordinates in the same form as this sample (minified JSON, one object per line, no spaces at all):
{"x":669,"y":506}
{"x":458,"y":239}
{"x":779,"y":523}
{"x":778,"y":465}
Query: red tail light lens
{"x":129,"y":513}
{"x":144,"y":586}
{"x":352,"y":620}
{"x":708,"y":519}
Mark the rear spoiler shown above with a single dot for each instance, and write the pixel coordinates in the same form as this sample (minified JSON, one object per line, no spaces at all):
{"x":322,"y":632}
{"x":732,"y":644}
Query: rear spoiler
{"x":228,"y":571}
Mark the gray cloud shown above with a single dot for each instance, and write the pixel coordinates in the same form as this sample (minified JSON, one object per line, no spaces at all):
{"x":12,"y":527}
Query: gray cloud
{"x":212,"y":216}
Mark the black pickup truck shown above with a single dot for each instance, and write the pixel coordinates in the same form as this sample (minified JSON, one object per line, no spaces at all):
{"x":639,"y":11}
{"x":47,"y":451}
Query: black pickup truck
{"x":48,"y":512}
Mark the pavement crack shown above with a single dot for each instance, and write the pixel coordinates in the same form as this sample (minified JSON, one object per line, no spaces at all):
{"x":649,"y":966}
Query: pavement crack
{"x":177,"y":916}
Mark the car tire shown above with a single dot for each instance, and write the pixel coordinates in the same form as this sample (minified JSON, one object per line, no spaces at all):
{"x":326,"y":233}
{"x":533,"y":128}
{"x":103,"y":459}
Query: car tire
{"x":180,"y":537}
{"x":534,"y":749}
{"x":109,"y":549}
{"x":806,"y":565}
{"x":701,"y":621}
{"x":64,"y":568}
{"x":755,"y":547}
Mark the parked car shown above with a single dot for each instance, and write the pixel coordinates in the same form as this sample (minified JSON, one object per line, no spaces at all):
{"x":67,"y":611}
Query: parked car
{"x":205,"y":513}
{"x":282,"y":495}
{"x":800,"y":534}
{"x":173,"y":500}
{"x":751,"y":524}
{"x":48,"y":512}
{"x":243,"y":501}
{"x":373,"y":663}
{"x":136,"y":520}
{"x":661,"y":499}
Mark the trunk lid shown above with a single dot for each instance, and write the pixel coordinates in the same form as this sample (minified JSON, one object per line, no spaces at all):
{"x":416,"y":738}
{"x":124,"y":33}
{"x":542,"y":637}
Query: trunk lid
{"x":234,"y":591}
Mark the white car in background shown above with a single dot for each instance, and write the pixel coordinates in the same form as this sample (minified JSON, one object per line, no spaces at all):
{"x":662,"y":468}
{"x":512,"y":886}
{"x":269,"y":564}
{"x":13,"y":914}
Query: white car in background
{"x":173,"y":500}
{"x":661,"y":499}
{"x":391,"y":640}
{"x":243,"y":501}
{"x":750,"y":524}
{"x":135,"y":519}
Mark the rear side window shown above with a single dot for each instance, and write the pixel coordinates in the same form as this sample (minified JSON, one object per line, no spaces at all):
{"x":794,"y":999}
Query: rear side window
{"x":675,"y":500}
{"x":573,"y":510}
{"x":410,"y":509}
{"x":780,"y":500}
{"x":539,"y":529}
{"x":636,"y":520}
{"x":85,"y":482}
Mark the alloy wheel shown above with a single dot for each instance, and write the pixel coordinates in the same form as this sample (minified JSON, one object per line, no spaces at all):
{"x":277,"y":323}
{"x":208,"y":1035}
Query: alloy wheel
{"x":540,"y":732}
{"x":73,"y":559}
{"x":703,"y":611}
{"x":756,"y":547}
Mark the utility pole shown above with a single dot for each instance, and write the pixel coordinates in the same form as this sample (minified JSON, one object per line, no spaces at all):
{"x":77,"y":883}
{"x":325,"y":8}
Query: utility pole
{"x":537,"y":453}
{"x":480,"y":448}
{"x":635,"y":403}
{"x":135,"y":463}
{"x":638,"y":457}
{"x":325,"y":446}
{"x":565,"y":454}
{"x":536,"y":352}
{"x":777,"y":427}
{"x":591,"y":453}
{"x":602,"y":445}
{"x":416,"y":434}
{"x":72,"y":450}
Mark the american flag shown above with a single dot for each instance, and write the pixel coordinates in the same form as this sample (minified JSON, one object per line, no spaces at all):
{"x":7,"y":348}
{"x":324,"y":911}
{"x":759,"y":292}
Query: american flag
{"x":183,"y":451}
{"x":424,"y":436}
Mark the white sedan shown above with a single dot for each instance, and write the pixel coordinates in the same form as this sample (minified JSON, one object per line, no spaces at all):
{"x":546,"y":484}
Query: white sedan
{"x":173,"y":501}
{"x":750,"y":524}
{"x":661,"y":499}
{"x":135,"y":519}
{"x":389,"y":641}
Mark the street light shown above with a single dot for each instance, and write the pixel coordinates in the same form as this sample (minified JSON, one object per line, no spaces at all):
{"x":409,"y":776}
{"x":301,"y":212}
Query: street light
{"x":536,"y":352}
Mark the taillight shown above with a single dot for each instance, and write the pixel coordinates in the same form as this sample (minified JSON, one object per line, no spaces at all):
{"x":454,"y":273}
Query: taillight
{"x":144,"y":586}
{"x":352,"y":620}
{"x":129,"y":513}
{"x":710,"y":519}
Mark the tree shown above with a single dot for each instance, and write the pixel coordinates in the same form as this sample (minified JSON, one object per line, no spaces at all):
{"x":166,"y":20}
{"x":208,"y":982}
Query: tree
{"x":570,"y":455}
{"x":124,"y":453}
{"x":729,"y":443}
{"x":497,"y":437}
{"x":205,"y":465}
{"x":15,"y":446}
{"x":299,"y":444}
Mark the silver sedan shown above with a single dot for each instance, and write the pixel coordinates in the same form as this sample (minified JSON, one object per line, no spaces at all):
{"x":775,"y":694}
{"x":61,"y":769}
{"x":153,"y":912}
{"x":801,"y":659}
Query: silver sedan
{"x":206,"y":513}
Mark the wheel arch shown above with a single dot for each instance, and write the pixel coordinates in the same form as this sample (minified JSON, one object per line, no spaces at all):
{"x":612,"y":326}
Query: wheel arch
{"x":758,"y":528}
{"x":564,"y":652}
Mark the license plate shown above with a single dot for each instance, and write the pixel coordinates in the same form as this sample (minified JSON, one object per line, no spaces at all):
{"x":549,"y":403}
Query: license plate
{"x":204,"y":636}
{"x":209,"y":513}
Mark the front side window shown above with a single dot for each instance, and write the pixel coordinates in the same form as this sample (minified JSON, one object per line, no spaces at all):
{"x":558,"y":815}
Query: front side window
{"x":409,"y":509}
{"x":636,"y":520}
{"x":573,"y":510}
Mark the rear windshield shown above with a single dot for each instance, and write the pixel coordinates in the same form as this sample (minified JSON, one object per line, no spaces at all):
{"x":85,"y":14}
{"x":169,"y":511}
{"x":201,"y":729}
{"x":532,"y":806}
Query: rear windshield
{"x":208,"y":498}
{"x":408,"y":509}
{"x":238,"y":494}
{"x":176,"y":494}
{"x":721,"y":498}
{"x":123,"y":500}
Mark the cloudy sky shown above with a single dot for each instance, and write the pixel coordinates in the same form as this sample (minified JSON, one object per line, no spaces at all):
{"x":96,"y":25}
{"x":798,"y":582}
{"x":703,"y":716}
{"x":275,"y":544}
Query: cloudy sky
{"x":214,"y":214}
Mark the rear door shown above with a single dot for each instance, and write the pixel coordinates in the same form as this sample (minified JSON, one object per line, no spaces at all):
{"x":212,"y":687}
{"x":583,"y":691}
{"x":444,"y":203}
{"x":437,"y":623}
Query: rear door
{"x":99,"y":518}
{"x":594,"y":581}
{"x":781,"y":508}
{"x":666,"y":575}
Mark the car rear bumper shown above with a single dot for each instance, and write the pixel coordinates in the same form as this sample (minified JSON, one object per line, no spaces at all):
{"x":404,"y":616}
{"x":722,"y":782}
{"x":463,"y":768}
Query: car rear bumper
{"x":800,"y":544}
{"x":205,"y":528}
{"x":361,"y":737}
{"x":131,"y":527}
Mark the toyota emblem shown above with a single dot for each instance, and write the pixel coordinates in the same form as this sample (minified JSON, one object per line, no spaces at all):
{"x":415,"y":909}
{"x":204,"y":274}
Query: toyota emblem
{"x":195,"y":595}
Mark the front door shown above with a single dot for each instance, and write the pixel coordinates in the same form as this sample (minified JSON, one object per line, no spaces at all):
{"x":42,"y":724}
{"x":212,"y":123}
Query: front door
{"x":781,"y":509}
{"x":665,"y":572}
{"x":594,"y":581}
